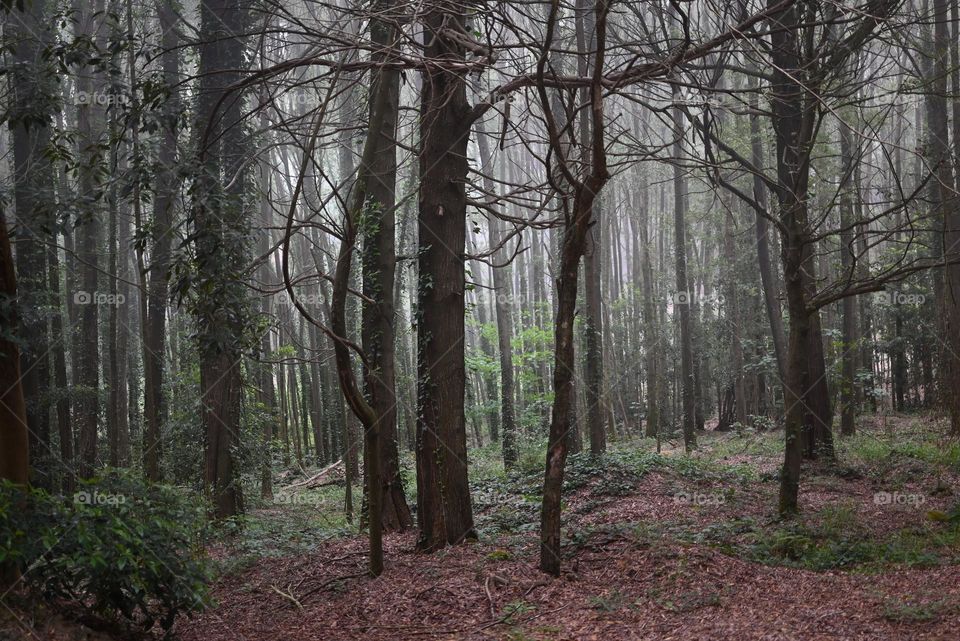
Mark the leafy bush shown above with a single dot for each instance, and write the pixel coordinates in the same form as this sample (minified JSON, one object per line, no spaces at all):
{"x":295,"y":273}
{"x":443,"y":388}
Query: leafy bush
{"x":118,"y":548}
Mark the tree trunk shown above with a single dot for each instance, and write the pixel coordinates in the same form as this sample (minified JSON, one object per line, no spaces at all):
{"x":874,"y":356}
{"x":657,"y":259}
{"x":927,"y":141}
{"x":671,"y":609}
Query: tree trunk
{"x":220,"y":237}
{"x":90,"y":121}
{"x":945,"y":200}
{"x":683,"y":298}
{"x":36,"y":224}
{"x":767,"y":280}
{"x":154,"y":331}
{"x":502,"y":294}
{"x":14,"y":439}
{"x":848,"y":393}
{"x":443,"y":495}
{"x":379,"y":267}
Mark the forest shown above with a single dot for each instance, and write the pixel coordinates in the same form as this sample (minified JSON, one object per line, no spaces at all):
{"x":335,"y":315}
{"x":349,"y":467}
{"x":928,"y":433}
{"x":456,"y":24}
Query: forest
{"x":463,"y":319}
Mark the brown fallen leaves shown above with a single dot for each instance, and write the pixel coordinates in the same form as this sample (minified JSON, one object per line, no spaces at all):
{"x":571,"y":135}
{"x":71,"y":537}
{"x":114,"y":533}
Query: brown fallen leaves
{"x":613,"y":587}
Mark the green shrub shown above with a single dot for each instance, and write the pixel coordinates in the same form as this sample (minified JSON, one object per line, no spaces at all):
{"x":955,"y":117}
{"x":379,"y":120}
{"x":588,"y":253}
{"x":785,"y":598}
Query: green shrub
{"x":118,"y":548}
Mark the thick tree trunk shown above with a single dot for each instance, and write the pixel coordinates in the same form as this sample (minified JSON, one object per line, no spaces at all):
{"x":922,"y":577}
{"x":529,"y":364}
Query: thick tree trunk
{"x":90,"y":123}
{"x":379,"y":267}
{"x":797,"y":376}
{"x":443,"y":495}
{"x":220,"y":226}
{"x":220,"y":382}
{"x":14,"y":439}
{"x":943,"y":198}
{"x":36,"y":224}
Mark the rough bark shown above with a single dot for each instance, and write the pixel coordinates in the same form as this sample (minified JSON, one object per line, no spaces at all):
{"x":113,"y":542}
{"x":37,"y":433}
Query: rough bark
{"x":443,"y":495}
{"x":379,"y":267}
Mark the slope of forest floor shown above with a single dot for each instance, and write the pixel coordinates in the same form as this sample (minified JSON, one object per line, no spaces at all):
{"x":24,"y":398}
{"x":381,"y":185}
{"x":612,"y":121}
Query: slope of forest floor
{"x":658,"y":546}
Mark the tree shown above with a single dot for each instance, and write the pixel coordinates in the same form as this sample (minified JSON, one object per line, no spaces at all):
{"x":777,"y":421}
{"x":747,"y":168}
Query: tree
{"x":444,"y":509}
{"x":379,"y":266}
{"x":683,"y":298}
{"x":157,"y":273}
{"x":577,"y":223}
{"x":90,"y":146}
{"x":219,"y":238}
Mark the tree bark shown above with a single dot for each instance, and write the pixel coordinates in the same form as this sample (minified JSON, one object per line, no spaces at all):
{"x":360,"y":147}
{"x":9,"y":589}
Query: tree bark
{"x":683,"y":298}
{"x":36,"y":224}
{"x":90,"y":121}
{"x":848,"y":394}
{"x":220,"y":238}
{"x":502,"y":293}
{"x":154,"y":330}
{"x":379,"y":269}
{"x":443,"y":495}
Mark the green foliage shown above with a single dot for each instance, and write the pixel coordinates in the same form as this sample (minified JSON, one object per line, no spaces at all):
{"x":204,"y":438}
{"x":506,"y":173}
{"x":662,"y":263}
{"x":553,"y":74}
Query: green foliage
{"x":119,"y":548}
{"x":908,"y":612}
{"x":833,"y":546}
{"x":289,"y":525}
{"x":612,"y":601}
{"x":500,"y":555}
{"x":517,"y":609}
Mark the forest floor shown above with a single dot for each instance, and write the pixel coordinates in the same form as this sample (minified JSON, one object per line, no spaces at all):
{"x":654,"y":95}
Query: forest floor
{"x":657,"y":547}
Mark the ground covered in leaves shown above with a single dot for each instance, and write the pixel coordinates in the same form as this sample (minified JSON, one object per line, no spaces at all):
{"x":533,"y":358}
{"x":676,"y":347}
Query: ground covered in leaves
{"x":657,"y":546}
